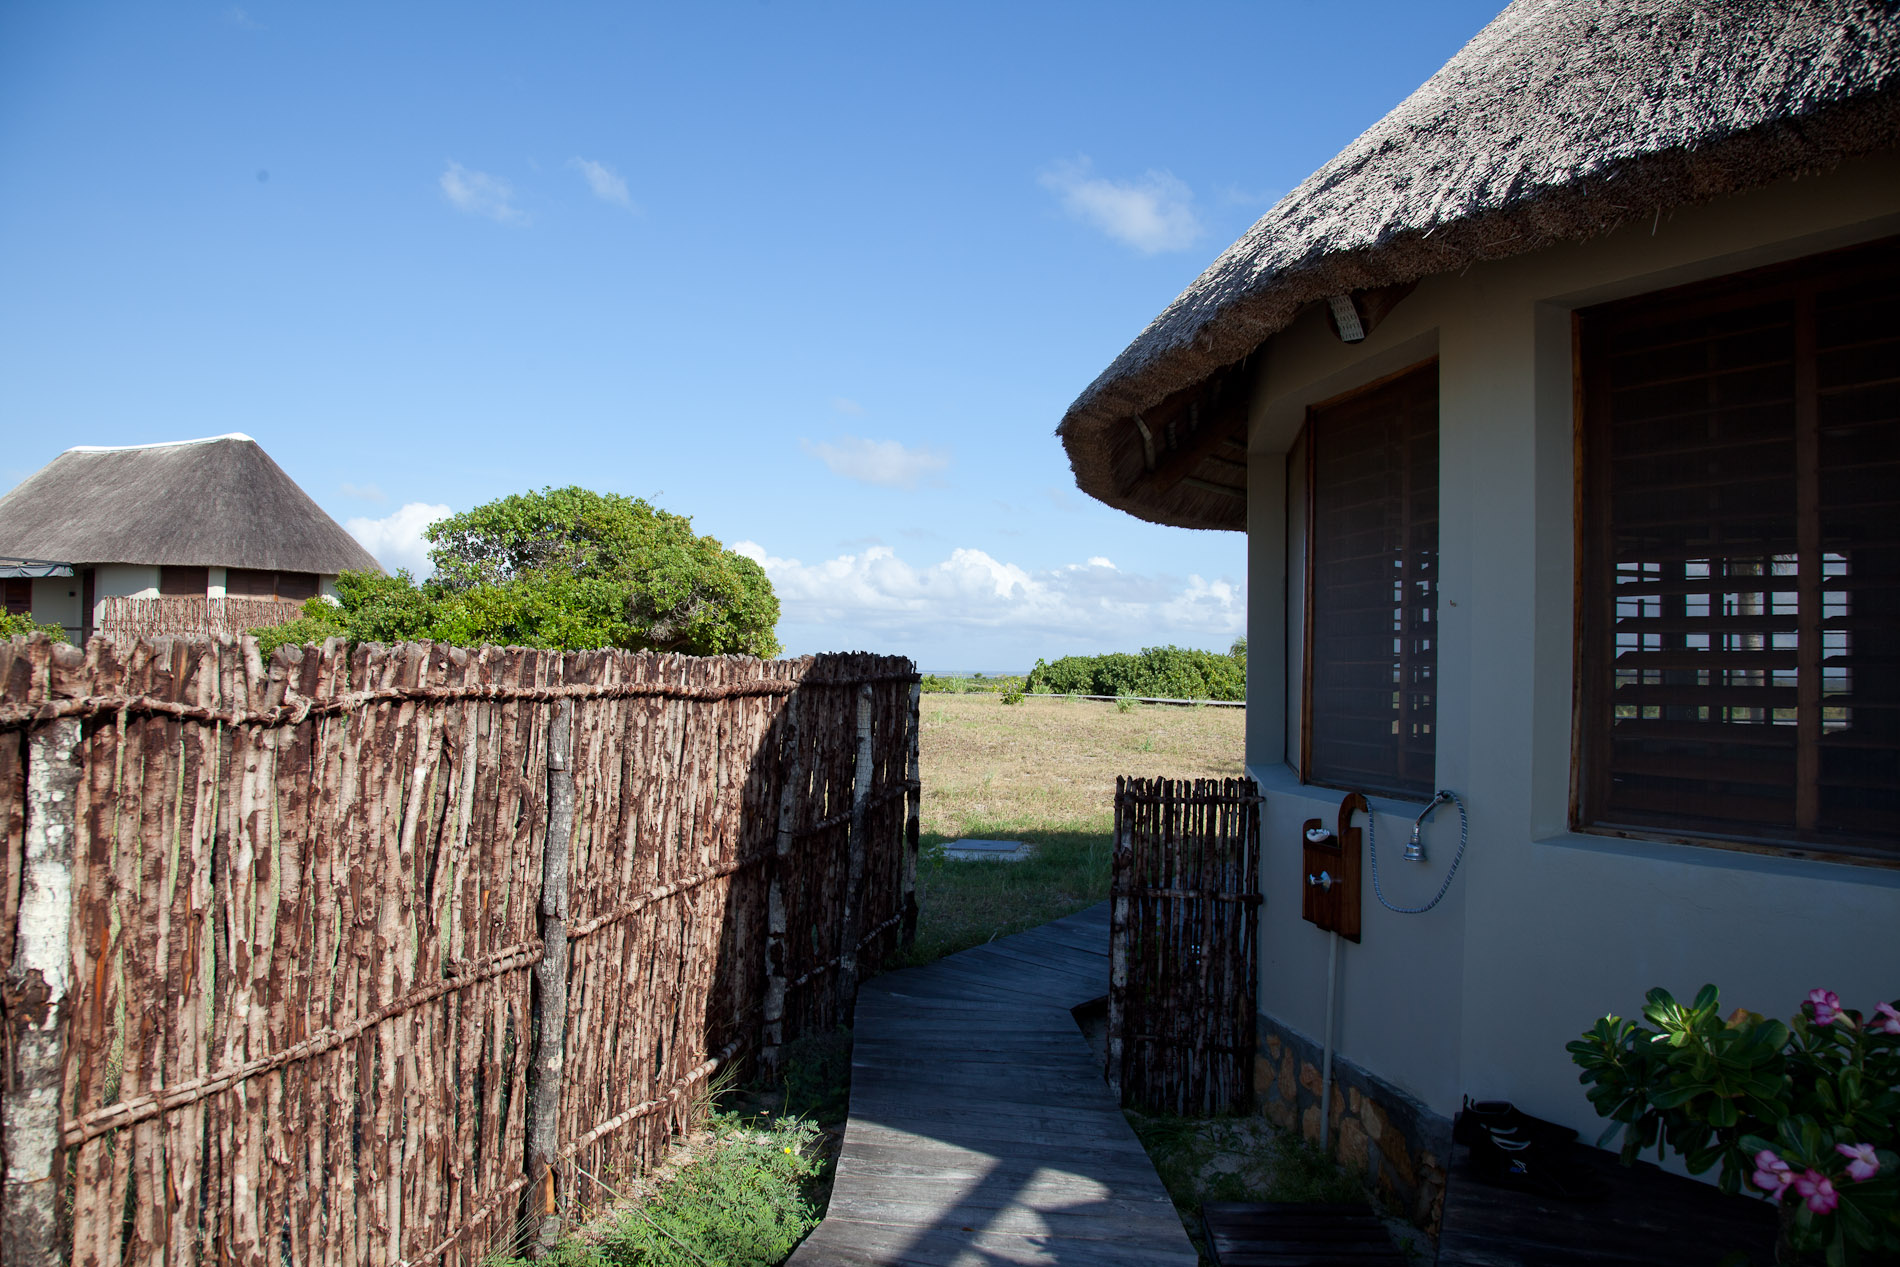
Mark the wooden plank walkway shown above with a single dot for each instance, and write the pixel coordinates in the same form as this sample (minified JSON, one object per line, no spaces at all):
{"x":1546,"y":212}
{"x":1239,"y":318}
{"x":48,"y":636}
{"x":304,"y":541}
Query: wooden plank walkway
{"x":981,"y":1130}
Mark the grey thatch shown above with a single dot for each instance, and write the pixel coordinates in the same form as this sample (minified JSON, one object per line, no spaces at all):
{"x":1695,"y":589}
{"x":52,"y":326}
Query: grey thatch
{"x":219,"y":502}
{"x":1560,"y":120}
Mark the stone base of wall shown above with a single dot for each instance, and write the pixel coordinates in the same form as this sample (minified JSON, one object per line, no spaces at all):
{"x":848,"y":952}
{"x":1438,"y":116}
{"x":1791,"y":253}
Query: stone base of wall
{"x":1379,"y":1131}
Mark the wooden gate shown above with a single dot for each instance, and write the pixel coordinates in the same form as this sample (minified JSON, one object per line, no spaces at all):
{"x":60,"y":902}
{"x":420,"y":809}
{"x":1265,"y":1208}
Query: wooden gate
{"x":1184,"y":972}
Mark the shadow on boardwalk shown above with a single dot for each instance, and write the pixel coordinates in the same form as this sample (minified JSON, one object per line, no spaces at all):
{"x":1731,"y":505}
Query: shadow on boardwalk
{"x":981,"y":1130}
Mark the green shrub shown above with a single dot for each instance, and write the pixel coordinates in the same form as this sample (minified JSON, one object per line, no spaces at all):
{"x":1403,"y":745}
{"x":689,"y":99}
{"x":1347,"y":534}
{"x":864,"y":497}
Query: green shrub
{"x":565,"y":569}
{"x":12,"y":626}
{"x":975,"y":684}
{"x":1012,"y":697}
{"x":1156,"y":673}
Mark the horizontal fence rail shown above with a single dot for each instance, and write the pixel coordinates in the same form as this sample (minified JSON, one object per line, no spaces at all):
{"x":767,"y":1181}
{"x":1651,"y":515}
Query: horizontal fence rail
{"x":404,"y":954}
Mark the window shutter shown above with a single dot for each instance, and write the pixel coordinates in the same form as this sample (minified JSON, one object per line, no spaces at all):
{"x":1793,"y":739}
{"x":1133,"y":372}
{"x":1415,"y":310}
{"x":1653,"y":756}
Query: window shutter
{"x":1372,"y":566}
{"x":183,"y":582}
{"x":250,"y":583}
{"x":1742,"y":557}
{"x":294,"y":587}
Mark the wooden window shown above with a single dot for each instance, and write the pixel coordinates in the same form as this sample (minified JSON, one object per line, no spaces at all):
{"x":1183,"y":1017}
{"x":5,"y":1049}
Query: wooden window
{"x":181,"y":582}
{"x":1739,"y":571}
{"x":294,"y":587}
{"x":19,"y":595}
{"x":250,"y":583}
{"x":291,"y":587}
{"x":1371,"y":658}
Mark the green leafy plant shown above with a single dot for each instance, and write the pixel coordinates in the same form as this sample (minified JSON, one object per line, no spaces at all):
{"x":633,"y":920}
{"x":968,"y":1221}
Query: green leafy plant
{"x":563,"y":568}
{"x":22,"y":624}
{"x":1124,"y":703}
{"x":975,"y":684}
{"x":742,"y":1204}
{"x":1012,"y":697}
{"x":1813,"y":1106}
{"x":1156,"y":673}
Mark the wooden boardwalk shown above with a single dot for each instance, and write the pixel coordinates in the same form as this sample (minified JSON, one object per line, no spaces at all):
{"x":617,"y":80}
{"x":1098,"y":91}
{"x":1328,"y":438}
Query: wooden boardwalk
{"x":981,"y":1130}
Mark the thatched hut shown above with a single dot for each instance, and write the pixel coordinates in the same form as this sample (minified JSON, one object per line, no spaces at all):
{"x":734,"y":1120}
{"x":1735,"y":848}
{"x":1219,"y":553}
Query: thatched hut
{"x":1560,"y":411}
{"x":208,"y":519}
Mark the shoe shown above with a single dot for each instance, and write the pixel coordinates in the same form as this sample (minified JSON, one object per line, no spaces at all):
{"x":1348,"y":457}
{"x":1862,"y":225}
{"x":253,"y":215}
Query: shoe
{"x":1510,"y":1149}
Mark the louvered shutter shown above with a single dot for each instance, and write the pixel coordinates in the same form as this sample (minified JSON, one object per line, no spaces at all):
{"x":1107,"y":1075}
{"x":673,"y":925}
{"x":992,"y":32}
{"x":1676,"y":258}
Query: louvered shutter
{"x":1372,"y":567}
{"x":1741,"y":566}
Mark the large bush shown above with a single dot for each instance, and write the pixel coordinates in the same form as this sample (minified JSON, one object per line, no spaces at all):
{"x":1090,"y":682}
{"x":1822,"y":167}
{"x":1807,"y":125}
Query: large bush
{"x":12,"y":626}
{"x":1156,"y":673}
{"x":563,"y":568}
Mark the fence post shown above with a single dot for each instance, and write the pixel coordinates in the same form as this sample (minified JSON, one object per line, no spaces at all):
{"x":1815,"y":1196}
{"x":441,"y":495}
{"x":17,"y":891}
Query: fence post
{"x":791,"y":783}
{"x":1120,"y":857}
{"x":550,"y":993}
{"x":913,"y":817}
{"x":854,"y":882}
{"x":35,"y":996}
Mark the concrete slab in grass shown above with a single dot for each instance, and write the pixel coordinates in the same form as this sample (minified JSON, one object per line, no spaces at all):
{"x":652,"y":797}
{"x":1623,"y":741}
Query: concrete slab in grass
{"x":994,"y":850}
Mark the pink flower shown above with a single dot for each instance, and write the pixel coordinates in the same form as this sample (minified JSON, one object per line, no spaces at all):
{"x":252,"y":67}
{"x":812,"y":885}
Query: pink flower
{"x":1862,"y":1164}
{"x":1826,"y":1004}
{"x":1772,"y":1174}
{"x":1819,"y":1193}
{"x":1890,"y":1022}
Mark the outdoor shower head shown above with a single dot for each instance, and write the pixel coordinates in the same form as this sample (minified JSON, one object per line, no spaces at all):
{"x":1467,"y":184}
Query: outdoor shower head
{"x":1415,"y":848}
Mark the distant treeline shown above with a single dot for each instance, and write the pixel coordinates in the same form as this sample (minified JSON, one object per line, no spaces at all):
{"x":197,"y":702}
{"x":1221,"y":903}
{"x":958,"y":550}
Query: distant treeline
{"x":1156,"y":673}
{"x":971,"y":683}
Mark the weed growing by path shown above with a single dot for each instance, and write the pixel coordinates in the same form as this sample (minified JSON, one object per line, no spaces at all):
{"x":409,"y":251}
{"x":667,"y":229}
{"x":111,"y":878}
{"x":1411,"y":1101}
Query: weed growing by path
{"x":738,"y":1199}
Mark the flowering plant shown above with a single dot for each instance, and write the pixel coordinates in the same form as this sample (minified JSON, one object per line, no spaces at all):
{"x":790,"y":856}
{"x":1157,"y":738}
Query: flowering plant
{"x":1807,"y":1111}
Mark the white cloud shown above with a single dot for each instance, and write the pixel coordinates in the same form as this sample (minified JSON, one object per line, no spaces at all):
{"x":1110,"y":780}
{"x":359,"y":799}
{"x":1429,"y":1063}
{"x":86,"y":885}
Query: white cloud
{"x":396,"y":539}
{"x":480,"y":194}
{"x":874,"y":594}
{"x":1155,"y":213}
{"x":600,"y":178}
{"x":364,"y":492}
{"x":846,"y":405}
{"x":884,"y":462}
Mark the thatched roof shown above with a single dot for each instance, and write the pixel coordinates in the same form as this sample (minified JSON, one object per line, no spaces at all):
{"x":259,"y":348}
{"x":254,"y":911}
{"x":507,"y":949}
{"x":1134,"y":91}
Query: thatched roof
{"x":219,"y":502}
{"x":1561,"y":119}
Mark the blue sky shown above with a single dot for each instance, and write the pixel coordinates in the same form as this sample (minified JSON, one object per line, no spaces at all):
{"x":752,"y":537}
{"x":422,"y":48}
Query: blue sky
{"x":823,"y":277}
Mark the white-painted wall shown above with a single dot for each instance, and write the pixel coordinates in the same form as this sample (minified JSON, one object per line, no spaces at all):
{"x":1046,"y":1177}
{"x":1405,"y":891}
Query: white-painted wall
{"x":122,"y":580}
{"x":56,"y":601}
{"x":1543,"y":929}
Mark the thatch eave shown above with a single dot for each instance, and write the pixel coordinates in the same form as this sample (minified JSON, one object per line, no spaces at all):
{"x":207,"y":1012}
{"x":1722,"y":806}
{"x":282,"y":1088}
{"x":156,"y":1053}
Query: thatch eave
{"x":1812,"y":97}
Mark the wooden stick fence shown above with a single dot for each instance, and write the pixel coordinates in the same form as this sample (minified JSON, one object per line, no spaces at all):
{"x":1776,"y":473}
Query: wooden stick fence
{"x":1183,"y":971}
{"x":182,"y":616}
{"x":387,"y":956}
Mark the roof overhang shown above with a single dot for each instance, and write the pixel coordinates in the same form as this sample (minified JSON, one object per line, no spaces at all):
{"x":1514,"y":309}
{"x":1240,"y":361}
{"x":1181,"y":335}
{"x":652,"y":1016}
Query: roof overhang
{"x":15,"y":567}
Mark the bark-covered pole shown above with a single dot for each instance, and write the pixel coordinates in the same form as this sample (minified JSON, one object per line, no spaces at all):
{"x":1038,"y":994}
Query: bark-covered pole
{"x":1125,"y":813}
{"x":854,"y":882}
{"x":550,"y":989}
{"x":913,"y":816}
{"x":791,"y":788}
{"x":36,"y":987}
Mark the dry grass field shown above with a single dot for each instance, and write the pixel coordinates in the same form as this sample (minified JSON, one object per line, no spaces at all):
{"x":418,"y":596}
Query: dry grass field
{"x":1042,"y":771}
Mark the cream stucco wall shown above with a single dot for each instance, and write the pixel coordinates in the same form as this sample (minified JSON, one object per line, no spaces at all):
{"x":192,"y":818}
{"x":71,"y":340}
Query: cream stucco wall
{"x":1543,"y":929}
{"x":56,"y":601}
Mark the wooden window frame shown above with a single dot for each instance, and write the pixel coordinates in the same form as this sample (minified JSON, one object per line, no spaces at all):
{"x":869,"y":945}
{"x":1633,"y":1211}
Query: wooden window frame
{"x":1594,"y":575}
{"x":1308,"y":436}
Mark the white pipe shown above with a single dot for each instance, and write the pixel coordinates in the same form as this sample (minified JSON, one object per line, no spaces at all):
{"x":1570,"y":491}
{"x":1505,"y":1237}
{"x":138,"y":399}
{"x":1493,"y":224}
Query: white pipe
{"x":1326,"y":1059}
